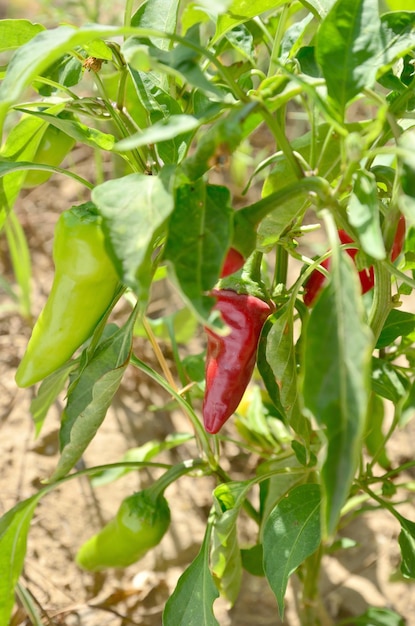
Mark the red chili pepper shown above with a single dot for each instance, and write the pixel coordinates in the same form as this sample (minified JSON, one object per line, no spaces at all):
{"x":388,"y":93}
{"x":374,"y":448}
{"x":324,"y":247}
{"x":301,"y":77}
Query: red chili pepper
{"x":367,"y":278}
{"x":231,"y":359}
{"x":399,"y":239}
{"x":233,"y":262}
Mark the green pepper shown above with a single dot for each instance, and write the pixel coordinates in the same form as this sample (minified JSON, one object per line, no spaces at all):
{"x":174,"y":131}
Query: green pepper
{"x":139,"y":525}
{"x":52,"y":149}
{"x":83,"y":287}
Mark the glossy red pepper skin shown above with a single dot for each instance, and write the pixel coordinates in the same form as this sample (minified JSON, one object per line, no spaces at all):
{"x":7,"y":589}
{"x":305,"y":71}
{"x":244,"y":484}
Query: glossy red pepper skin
{"x":230,"y":360}
{"x":233,"y":262}
{"x":367,"y":278}
{"x":399,"y":239}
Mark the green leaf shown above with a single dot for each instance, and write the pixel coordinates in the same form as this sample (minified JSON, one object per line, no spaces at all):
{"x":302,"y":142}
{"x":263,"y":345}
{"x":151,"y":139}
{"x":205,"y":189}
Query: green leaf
{"x":337,"y":348}
{"x":199,"y":236}
{"x":90,"y":396}
{"x":47,"y":393}
{"x":159,"y":15}
{"x":407,"y":546}
{"x":168,"y":128}
{"x":14,"y":528}
{"x":387,"y":381}
{"x":15,"y":33}
{"x":287,"y":473}
{"x":33,"y":58}
{"x":374,"y":436}
{"x":182,"y":61}
{"x":151,"y":89}
{"x":349,"y":41}
{"x":408,"y":406}
{"x":252,"y":560}
{"x":319,"y":7}
{"x":134,"y":210}
{"x":375,"y":616}
{"x":363,"y":212}
{"x":291,"y":534}
{"x":80,"y":132}
{"x":146,"y":452}
{"x":182,"y":322}
{"x":240,"y":11}
{"x":220,"y":140}
{"x":66,"y":71}
{"x":20,"y":257}
{"x":266,"y":371}
{"x":281,"y":356}
{"x":401,"y":5}
{"x":398,"y":324}
{"x":191,"y":603}
{"x":407,"y":169}
{"x":21,"y":145}
{"x":321,"y":149}
{"x":398,"y":35}
{"x":226,"y":564}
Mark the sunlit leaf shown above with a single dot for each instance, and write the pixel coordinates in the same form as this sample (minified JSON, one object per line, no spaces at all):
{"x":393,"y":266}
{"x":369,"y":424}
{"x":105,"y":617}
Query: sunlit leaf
{"x":291,"y":534}
{"x":336,"y":369}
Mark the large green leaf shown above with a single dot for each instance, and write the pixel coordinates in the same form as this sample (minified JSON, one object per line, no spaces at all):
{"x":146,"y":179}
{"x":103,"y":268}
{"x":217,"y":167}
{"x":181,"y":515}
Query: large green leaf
{"x":349,"y":42}
{"x":192,"y":601}
{"x":134,"y":209}
{"x":14,"y":528}
{"x":337,"y":345}
{"x":90,"y":396}
{"x":15,"y":33}
{"x":160,"y":15}
{"x":398,"y":34}
{"x":199,"y":235}
{"x":291,"y":534}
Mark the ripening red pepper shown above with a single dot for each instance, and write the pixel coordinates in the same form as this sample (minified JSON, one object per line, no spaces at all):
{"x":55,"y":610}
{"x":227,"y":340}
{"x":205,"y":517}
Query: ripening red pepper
{"x":233,"y":262}
{"x":366,"y":276}
{"x":231,"y":359}
{"x":399,"y":239}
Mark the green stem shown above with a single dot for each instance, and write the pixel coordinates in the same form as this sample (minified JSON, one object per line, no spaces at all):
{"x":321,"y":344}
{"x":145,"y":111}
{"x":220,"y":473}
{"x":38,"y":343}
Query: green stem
{"x":277,"y":39}
{"x":281,"y":266}
{"x":201,"y":435}
{"x":172,"y":474}
{"x":128,"y":12}
{"x":313,"y":611}
{"x":250,"y":216}
{"x":282,"y":141}
{"x":382,"y":300}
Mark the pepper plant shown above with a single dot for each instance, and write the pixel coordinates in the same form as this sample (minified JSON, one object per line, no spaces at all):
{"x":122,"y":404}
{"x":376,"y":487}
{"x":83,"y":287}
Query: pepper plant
{"x":320,"y":338}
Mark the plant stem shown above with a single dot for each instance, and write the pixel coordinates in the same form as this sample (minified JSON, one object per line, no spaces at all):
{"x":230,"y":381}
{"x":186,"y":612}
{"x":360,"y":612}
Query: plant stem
{"x":313,"y":612}
{"x":382,"y":300}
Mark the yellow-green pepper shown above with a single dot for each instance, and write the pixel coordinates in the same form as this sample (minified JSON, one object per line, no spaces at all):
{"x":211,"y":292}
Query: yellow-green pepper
{"x":83,"y":287}
{"x":52,"y":149}
{"x":139,"y":525}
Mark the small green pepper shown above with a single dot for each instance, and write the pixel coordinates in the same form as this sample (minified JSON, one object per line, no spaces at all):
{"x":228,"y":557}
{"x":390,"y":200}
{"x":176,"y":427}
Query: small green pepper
{"x":83,"y":287}
{"x":52,"y":149}
{"x":139,"y":525}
